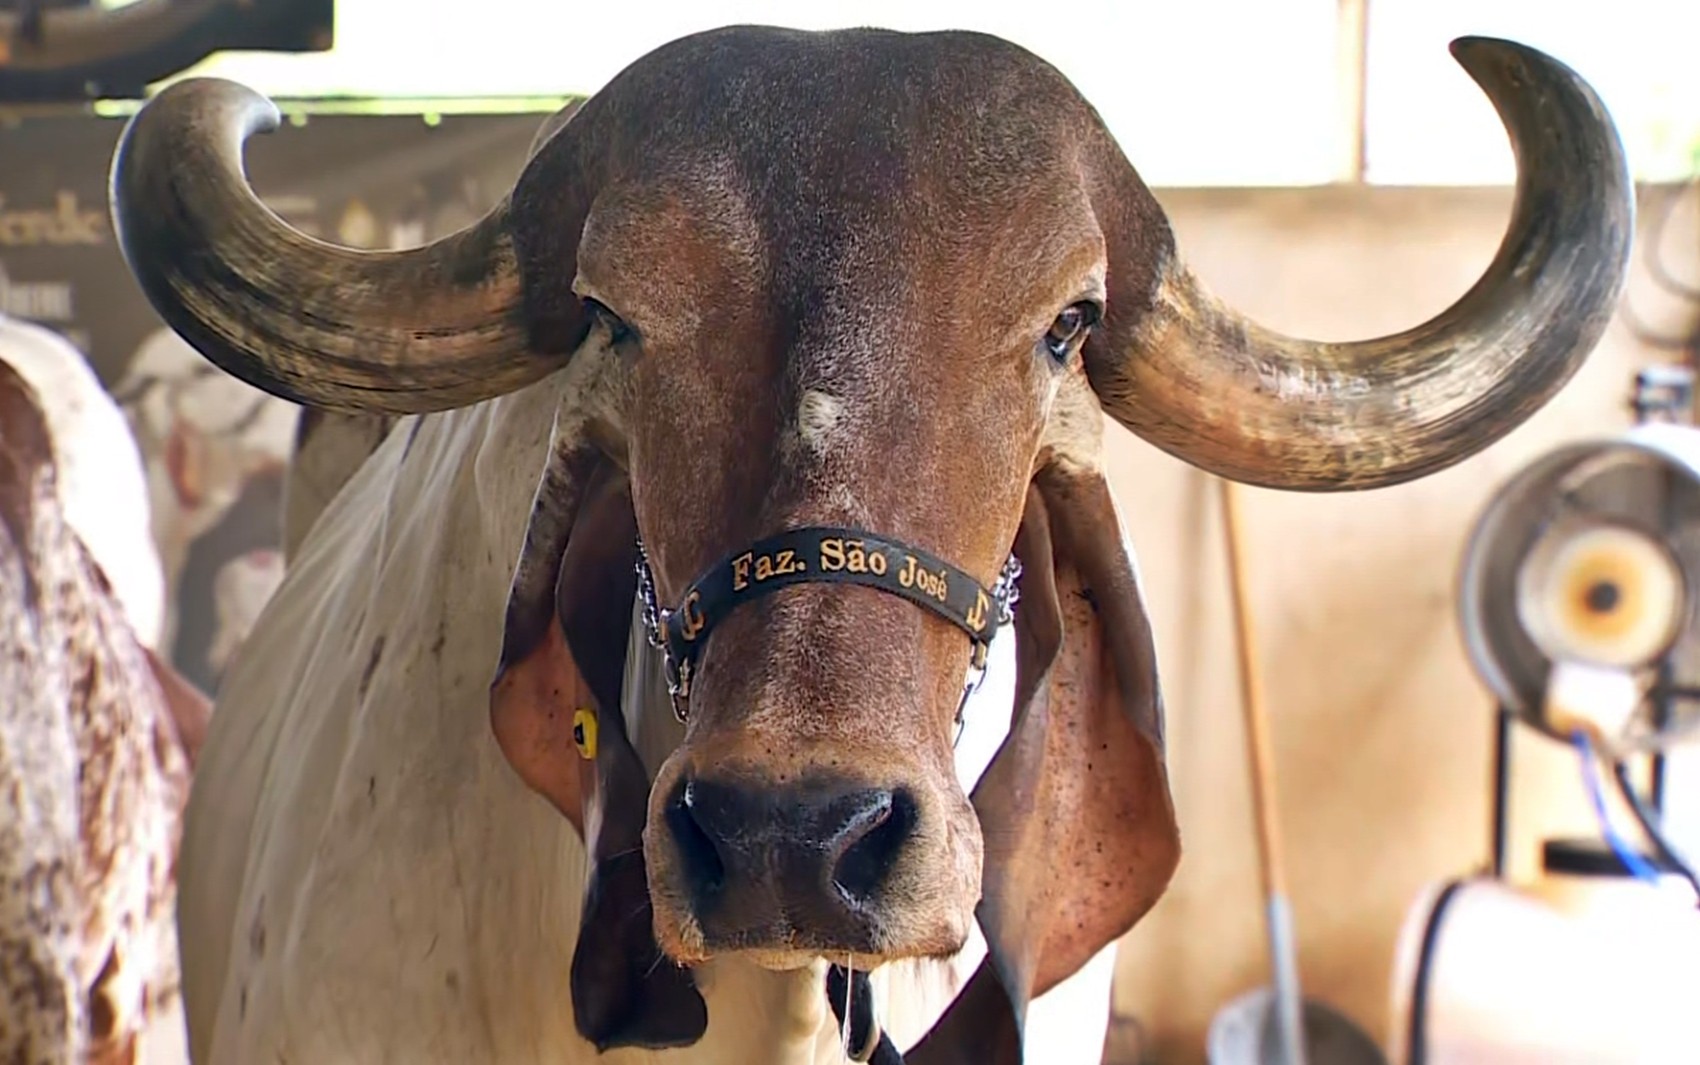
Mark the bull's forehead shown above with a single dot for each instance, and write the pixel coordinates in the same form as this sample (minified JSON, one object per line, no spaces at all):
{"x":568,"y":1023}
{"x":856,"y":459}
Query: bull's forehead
{"x":836,"y":174}
{"x":837,"y":282}
{"x":796,"y":106}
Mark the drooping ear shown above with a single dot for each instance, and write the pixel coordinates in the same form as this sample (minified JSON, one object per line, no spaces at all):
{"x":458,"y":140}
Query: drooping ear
{"x":1079,"y":825}
{"x":564,"y":649}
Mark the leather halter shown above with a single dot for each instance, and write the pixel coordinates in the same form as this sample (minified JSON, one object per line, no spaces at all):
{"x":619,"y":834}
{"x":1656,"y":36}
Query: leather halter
{"x":823,"y":555}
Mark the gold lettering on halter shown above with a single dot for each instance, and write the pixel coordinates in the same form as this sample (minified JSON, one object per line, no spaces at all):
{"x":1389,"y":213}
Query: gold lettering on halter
{"x":694,"y":621}
{"x":977,"y":613}
{"x":832,"y":554}
{"x":851,"y":556}
{"x":913,"y":576}
{"x":763,"y":567}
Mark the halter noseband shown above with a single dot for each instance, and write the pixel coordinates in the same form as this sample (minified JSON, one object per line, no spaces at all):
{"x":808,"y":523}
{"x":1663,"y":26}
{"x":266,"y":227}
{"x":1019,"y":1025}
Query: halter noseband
{"x":823,"y":555}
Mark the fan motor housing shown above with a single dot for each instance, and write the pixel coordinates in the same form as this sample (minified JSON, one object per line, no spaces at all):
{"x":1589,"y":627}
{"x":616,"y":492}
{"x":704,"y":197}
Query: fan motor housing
{"x":1589,"y":554}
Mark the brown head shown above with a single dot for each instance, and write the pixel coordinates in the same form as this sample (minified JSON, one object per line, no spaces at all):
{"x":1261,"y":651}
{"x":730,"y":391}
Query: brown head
{"x":885,"y":282}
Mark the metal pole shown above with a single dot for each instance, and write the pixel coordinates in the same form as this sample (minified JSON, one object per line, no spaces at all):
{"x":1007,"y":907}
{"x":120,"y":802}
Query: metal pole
{"x":1505,"y":721}
{"x":1260,"y":754}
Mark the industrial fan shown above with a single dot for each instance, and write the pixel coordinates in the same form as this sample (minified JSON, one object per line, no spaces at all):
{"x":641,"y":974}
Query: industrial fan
{"x":1579,"y":602}
{"x":1578,"y":596}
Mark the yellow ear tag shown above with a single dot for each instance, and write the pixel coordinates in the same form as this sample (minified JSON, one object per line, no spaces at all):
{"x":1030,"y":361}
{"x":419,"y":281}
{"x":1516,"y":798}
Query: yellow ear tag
{"x":584,"y":731}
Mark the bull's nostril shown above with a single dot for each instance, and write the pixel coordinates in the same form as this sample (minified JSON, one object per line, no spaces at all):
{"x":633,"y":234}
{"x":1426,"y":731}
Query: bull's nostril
{"x":876,"y":834}
{"x":699,"y":858}
{"x":801,"y":863}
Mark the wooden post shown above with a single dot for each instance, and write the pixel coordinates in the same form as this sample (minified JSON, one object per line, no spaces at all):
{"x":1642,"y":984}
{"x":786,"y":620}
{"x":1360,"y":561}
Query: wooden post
{"x":1351,"y":46}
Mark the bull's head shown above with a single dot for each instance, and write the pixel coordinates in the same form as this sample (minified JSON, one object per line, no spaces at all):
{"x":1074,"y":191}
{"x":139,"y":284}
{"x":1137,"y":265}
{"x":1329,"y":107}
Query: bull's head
{"x":882,"y":283}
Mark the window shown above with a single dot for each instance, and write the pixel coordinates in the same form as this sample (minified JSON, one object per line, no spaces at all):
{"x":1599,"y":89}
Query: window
{"x":1429,"y":124}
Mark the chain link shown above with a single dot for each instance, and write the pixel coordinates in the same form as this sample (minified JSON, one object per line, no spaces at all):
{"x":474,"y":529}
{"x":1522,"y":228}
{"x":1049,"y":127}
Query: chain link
{"x":646,"y":592}
{"x":1006,"y":590}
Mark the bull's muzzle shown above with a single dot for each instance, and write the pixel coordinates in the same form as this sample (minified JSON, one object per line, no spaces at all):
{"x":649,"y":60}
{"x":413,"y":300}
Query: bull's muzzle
{"x":761,"y":838}
{"x":758,"y":863}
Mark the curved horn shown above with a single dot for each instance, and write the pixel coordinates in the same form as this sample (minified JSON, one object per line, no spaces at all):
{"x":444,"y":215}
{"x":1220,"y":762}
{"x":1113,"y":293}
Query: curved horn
{"x":1199,"y":380}
{"x":392,"y":332}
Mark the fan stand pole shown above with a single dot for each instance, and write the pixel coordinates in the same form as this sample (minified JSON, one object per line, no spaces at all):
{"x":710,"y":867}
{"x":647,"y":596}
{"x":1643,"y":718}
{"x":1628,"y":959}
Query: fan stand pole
{"x":1504,"y":725}
{"x":1662,"y":719}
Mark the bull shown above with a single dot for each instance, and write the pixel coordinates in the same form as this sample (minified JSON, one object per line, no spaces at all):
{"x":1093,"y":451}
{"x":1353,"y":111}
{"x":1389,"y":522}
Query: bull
{"x":97,"y":734}
{"x":609,"y":705}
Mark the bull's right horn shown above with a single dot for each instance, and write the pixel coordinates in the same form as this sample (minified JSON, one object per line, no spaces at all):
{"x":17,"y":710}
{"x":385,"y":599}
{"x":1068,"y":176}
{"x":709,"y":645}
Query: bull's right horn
{"x":1198,"y":379}
{"x":388,"y":332}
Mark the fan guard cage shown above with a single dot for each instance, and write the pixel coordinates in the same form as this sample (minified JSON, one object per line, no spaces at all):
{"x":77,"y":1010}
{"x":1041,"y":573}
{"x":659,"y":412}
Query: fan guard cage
{"x":1648,"y":479}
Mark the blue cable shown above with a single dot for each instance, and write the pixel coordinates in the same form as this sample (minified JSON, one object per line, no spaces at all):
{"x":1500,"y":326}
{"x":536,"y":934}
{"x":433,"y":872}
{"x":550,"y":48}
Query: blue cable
{"x":1626,"y":854}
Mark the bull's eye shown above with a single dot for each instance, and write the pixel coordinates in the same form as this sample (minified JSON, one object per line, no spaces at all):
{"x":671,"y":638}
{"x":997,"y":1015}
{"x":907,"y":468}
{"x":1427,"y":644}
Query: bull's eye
{"x":1070,"y":329}
{"x":618,"y":330}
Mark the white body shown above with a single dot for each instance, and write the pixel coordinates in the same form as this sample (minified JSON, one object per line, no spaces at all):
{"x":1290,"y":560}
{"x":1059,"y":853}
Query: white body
{"x":366,"y":879}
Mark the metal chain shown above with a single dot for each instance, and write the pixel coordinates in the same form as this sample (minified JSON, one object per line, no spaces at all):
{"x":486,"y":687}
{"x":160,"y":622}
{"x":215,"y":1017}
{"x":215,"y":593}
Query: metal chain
{"x":646,"y":592}
{"x":654,"y":623}
{"x":1006,"y":590}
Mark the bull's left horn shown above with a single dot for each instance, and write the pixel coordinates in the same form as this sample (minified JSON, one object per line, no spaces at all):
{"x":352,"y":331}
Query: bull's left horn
{"x":395,"y":332}
{"x":1199,"y":380}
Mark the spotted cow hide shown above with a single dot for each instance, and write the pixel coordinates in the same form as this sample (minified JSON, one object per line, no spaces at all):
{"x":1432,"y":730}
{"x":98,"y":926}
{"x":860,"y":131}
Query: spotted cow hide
{"x":93,"y":777}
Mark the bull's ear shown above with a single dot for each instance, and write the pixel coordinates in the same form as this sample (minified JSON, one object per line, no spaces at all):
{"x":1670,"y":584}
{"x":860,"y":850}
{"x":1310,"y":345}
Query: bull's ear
{"x":538,"y":686}
{"x":1079,"y":825}
{"x":572,"y":658}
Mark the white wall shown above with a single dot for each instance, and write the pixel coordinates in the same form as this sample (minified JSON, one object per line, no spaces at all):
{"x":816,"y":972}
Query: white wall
{"x":1206,"y":92}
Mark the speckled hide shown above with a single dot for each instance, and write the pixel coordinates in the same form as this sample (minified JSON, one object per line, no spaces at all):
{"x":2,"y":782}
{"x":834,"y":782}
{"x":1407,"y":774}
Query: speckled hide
{"x":93,"y":776}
